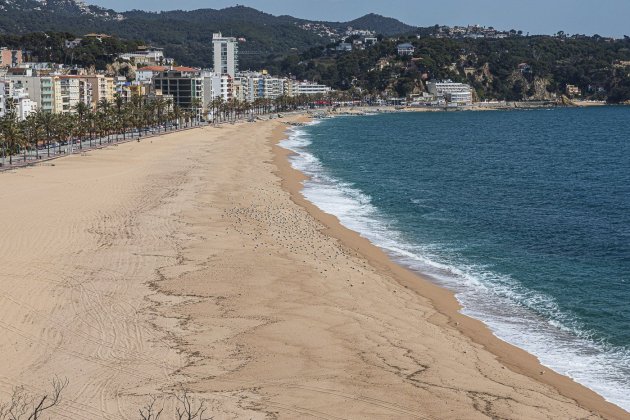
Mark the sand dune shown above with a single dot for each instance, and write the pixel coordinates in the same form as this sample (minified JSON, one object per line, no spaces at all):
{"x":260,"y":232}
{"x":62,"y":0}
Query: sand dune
{"x":181,"y":261}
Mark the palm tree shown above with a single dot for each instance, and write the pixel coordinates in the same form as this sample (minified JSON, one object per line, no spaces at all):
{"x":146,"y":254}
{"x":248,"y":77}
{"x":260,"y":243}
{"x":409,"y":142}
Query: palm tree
{"x":90,"y":124}
{"x":11,"y":133}
{"x":81,"y":110}
{"x":4,"y":148}
{"x":216,"y":106}
{"x":32,"y":132}
{"x":64,"y":129}
{"x":137,"y":113}
{"x":160,"y":105}
{"x":48,"y":120}
{"x":120,"y":122}
{"x":168,"y":104}
{"x":195,"y":106}
{"x":104,"y":108}
{"x":177,"y":115}
{"x":3,"y":142}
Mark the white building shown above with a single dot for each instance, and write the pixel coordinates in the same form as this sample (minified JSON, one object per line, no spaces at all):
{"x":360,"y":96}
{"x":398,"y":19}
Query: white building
{"x":6,"y":89}
{"x":72,"y":43}
{"x":225,"y":52}
{"x":457,"y":93}
{"x":311,"y":88}
{"x":145,"y":75}
{"x":221,"y":86}
{"x":273,"y":87}
{"x":250,"y":86}
{"x":39,"y":89}
{"x":406,"y":49}
{"x":72,"y":91}
{"x":22,"y":104}
{"x":148,"y":57}
{"x":24,"y":107}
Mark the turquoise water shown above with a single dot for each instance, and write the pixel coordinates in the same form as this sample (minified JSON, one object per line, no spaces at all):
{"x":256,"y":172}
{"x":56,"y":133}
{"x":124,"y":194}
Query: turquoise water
{"x":524,"y":214}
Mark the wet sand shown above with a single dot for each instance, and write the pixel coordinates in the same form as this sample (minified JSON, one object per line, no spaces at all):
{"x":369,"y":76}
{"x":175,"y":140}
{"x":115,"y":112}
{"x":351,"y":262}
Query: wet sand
{"x":192,"y":261}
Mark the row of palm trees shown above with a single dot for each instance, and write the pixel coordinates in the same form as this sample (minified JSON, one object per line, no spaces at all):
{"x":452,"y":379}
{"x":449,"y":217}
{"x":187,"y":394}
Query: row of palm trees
{"x":44,"y":133}
{"x":220,"y":110}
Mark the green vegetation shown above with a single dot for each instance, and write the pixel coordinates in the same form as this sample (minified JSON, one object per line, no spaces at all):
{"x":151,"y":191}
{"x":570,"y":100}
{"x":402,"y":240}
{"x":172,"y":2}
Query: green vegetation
{"x":185,"y":35}
{"x":516,"y":68}
{"x":50,"y":47}
{"x":46,"y":134}
{"x":376,"y":23}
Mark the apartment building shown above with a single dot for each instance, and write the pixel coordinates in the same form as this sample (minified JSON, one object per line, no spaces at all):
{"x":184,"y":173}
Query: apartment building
{"x":22,"y":104}
{"x":146,"y":74}
{"x":71,"y":91}
{"x":148,"y":56}
{"x":17,"y":98}
{"x":310,"y":88}
{"x":10,"y":58}
{"x":222,"y":86}
{"x":103,"y":88}
{"x":456,"y":93}
{"x":253,"y":86}
{"x":185,"y":84}
{"x":273,"y":87}
{"x":40,"y":89}
{"x":6,"y":88}
{"x":225,"y":54}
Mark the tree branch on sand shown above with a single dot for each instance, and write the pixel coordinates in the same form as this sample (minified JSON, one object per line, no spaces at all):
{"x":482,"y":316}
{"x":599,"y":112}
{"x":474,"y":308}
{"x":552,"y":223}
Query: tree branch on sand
{"x":149,"y":412}
{"x":189,"y":409}
{"x":24,"y":406}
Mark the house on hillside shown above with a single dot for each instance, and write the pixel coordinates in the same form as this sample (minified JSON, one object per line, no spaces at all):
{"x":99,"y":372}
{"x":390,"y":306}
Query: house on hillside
{"x":406,"y":49}
{"x":344,"y":46}
{"x":572,"y":91}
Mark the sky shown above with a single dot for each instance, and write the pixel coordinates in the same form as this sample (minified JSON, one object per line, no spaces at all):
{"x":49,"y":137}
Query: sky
{"x":603,"y":17}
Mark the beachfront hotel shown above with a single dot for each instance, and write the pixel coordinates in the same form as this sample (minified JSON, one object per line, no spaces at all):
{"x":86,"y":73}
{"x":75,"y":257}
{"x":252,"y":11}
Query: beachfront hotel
{"x":225,"y":54}
{"x":455,"y":93}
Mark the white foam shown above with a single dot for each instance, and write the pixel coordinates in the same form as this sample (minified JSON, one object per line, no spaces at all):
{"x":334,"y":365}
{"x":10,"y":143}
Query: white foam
{"x":525,"y":318}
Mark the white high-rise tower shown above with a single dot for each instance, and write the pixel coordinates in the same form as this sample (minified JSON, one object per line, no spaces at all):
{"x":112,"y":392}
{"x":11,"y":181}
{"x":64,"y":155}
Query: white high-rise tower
{"x":225,"y":55}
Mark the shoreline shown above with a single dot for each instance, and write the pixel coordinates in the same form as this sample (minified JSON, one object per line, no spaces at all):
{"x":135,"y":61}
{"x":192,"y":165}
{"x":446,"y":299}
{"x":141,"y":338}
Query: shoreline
{"x":190,"y":265}
{"x":444,"y":302}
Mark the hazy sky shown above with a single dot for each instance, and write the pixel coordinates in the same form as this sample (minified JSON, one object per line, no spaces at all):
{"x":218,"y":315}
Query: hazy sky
{"x":604,"y":17}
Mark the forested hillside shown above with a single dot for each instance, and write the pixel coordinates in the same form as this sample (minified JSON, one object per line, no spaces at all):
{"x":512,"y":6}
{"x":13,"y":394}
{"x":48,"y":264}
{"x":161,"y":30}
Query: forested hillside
{"x":50,"y":47}
{"x":185,"y":35}
{"x":516,"y":68}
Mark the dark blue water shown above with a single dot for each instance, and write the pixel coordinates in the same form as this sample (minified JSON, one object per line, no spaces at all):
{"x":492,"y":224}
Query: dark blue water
{"x":525,"y":214}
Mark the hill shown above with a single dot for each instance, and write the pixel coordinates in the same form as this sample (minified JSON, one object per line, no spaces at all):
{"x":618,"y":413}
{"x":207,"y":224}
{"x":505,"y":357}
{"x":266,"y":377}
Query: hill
{"x":380,"y":24}
{"x":185,"y":35}
{"x":22,"y":16}
{"x":516,"y":68}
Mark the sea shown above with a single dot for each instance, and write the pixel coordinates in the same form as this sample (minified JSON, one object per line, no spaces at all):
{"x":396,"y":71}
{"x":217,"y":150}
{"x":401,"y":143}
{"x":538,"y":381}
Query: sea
{"x":524,"y":214}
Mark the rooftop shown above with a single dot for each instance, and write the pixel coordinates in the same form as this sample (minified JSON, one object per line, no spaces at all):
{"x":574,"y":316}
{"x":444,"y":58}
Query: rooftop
{"x":154,"y":68}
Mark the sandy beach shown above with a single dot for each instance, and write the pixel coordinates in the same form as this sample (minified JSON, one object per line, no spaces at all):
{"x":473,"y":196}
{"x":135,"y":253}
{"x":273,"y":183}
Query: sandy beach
{"x":191,"y":261}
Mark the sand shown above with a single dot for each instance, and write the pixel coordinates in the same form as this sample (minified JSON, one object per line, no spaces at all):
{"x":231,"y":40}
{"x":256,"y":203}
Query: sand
{"x":190,"y":261}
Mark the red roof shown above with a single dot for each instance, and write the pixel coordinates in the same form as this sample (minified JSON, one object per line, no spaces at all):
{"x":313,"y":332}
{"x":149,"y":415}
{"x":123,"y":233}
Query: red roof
{"x":185,"y":69}
{"x":154,"y":68}
{"x":166,"y":68}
